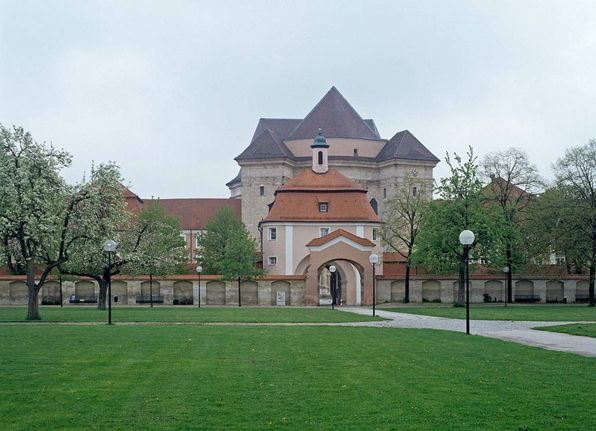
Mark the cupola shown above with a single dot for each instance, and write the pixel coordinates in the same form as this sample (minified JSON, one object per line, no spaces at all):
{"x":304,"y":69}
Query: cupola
{"x":319,"y":154}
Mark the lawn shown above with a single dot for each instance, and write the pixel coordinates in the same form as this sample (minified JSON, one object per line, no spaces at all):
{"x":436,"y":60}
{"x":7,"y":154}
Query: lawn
{"x":302,"y":378}
{"x":185,"y":314}
{"x":585,"y":329}
{"x":555,"y":313}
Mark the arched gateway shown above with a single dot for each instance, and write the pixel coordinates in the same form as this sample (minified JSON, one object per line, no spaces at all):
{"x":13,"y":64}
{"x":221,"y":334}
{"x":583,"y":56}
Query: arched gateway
{"x":350,"y":255}
{"x":321,"y":218}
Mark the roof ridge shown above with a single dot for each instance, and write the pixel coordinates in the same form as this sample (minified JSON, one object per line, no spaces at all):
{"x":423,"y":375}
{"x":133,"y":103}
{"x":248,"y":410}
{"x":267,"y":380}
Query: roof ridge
{"x":351,"y":123}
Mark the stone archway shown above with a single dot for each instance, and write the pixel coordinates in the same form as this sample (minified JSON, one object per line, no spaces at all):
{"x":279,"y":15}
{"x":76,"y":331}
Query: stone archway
{"x":343,"y":248}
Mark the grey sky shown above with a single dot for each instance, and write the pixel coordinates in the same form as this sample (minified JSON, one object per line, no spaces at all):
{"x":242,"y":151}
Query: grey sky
{"x":173,"y":90}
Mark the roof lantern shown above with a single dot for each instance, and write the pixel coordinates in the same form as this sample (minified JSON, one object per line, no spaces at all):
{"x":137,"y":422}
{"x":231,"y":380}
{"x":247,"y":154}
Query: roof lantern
{"x":320,"y":141}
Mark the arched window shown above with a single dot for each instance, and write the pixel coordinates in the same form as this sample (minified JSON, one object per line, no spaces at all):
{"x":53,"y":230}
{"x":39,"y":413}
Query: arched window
{"x":320,"y":157}
{"x":373,"y":204}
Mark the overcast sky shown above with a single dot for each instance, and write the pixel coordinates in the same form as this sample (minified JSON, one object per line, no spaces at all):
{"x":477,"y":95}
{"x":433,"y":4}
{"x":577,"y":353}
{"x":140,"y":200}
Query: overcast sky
{"x":172,"y":90}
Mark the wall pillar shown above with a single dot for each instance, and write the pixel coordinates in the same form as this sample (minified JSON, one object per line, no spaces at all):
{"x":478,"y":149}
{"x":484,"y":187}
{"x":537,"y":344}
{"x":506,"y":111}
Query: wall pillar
{"x":133,"y":289}
{"x":447,"y":291}
{"x":264,"y":292}
{"x":415,"y":290}
{"x":540,"y":289}
{"x":166,"y":289}
{"x":569,"y":289}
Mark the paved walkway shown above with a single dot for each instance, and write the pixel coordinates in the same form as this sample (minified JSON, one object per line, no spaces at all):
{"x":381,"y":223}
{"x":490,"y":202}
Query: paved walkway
{"x":516,"y":331}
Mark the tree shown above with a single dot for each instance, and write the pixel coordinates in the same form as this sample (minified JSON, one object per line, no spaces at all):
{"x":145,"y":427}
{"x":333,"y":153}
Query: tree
{"x":555,"y":227}
{"x":403,"y":216}
{"x":161,"y":250}
{"x":149,"y":242}
{"x":41,"y":217}
{"x":228,"y":249}
{"x":213,"y":240}
{"x":575,"y":175}
{"x":512,"y":185}
{"x":460,"y":208}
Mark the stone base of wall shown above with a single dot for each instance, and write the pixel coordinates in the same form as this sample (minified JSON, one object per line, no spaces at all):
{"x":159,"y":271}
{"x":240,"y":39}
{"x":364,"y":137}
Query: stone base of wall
{"x":183,"y":290}
{"x":485,"y":290}
{"x":168,"y":292}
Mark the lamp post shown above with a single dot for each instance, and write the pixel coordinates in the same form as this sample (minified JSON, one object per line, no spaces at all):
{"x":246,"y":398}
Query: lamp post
{"x":110,"y":247}
{"x":332,"y":269}
{"x":374,"y":259}
{"x":505,"y":271}
{"x":199,"y":269}
{"x":466,"y":238}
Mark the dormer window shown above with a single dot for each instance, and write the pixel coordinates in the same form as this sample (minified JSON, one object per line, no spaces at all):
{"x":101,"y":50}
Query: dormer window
{"x":320,"y":156}
{"x":323,"y":207}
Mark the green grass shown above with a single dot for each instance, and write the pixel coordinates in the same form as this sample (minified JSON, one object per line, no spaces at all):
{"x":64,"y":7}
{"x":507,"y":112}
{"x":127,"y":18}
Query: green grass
{"x":301,"y":378}
{"x":555,"y":313}
{"x":585,"y":329}
{"x":185,"y":314}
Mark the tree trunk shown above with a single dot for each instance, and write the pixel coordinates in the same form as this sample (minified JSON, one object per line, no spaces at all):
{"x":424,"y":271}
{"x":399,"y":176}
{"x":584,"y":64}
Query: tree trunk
{"x":461,"y":290}
{"x":407,"y":283}
{"x":509,"y":258}
{"x":103,"y":292}
{"x":591,"y":289}
{"x":33,"y":304}
{"x":239,"y":297}
{"x":33,"y":289}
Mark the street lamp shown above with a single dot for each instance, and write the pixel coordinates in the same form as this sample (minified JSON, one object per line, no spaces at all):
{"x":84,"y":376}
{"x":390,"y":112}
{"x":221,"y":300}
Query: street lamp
{"x":199,"y":269}
{"x":332,"y":269}
{"x":374,"y":259}
{"x":466,"y":238}
{"x":505,"y":271}
{"x":110,"y":247}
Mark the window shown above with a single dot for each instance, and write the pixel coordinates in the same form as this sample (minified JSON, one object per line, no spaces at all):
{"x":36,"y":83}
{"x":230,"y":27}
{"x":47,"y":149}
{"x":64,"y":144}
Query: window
{"x":323,"y":231}
{"x":272,"y":260}
{"x":355,"y":152}
{"x":183,"y":236}
{"x":374,"y":205}
{"x":262,"y":190}
{"x":197,"y":241}
{"x":413,"y":191}
{"x":384,"y":193}
{"x":272,"y":234}
{"x":375,"y":234}
{"x":323,"y":207}
{"x":320,"y":157}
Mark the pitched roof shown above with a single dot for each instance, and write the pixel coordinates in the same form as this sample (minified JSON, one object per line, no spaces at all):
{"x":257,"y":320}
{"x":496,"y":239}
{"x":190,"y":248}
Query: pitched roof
{"x":332,"y":180}
{"x":268,"y":145}
{"x":281,"y":127}
{"x":235,"y":180}
{"x":196,"y":213}
{"x":299,"y":199}
{"x":404,"y":145}
{"x":336,"y":117}
{"x":336,"y":234}
{"x":130,"y":195}
{"x":346,"y":206}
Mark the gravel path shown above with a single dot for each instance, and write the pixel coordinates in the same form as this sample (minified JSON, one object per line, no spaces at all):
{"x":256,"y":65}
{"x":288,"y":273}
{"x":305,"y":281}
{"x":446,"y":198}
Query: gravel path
{"x":516,"y":331}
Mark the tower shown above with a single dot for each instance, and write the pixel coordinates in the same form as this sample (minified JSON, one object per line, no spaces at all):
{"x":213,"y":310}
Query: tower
{"x":319,"y":154}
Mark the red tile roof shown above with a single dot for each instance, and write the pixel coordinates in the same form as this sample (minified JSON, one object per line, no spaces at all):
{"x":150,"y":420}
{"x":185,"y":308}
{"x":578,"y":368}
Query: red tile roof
{"x":195,"y":213}
{"x":336,"y":234}
{"x":332,"y":180}
{"x":299,"y":199}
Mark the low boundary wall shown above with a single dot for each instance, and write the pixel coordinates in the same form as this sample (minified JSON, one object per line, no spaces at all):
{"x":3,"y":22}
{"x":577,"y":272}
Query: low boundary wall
{"x":290,"y":290}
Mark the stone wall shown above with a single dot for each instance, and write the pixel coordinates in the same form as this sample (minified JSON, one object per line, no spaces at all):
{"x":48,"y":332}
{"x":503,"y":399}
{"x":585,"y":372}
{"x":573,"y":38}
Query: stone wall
{"x":444,"y":290}
{"x":183,"y":291}
{"x":264,"y":292}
